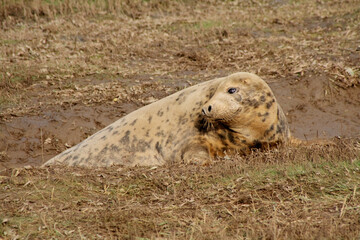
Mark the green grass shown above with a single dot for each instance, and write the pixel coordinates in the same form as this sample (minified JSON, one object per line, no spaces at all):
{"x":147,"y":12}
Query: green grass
{"x":130,"y":201}
{"x":7,"y":42}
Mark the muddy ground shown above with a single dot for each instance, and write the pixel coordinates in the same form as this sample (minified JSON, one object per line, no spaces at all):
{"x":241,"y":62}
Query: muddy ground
{"x":31,"y":139}
{"x":68,"y":70}
{"x":67,"y":77}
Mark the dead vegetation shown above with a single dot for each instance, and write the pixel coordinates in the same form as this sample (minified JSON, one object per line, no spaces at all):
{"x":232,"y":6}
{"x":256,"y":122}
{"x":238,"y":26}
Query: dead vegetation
{"x":299,"y":193}
{"x":76,"y":66}
{"x":55,"y":42}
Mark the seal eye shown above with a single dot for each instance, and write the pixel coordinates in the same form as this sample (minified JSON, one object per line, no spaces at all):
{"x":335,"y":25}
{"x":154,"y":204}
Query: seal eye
{"x":232,"y":90}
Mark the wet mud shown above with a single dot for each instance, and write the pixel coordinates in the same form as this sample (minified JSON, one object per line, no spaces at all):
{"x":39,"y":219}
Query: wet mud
{"x":314,"y":108}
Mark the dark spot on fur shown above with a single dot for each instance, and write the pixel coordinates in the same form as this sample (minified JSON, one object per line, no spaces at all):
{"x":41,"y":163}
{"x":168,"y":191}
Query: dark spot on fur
{"x":158,"y":148}
{"x":167,"y":108}
{"x":181,"y":98}
{"x":221,"y":135}
{"x":142,"y":145}
{"x":262,"y":98}
{"x":149,"y":119}
{"x":272,"y":137}
{"x":160,"y":113}
{"x":182,"y":119}
{"x":103,"y":137}
{"x":104,"y":150}
{"x":271,"y":128}
{"x":89,"y":157}
{"x":268,"y":94}
{"x":252,"y":103}
{"x":269,"y":104}
{"x":282,"y":123}
{"x":109,"y":128}
{"x":160,"y":134}
{"x":133,"y":122}
{"x":199,"y":103}
{"x":264,"y":116}
{"x":170,"y":139}
{"x":147,"y":133}
{"x":114,"y":148}
{"x":75,"y":157}
{"x":67,"y":158}
{"x":158,"y":127}
{"x":280,"y":128}
{"x":256,"y":144}
{"x":222,"y":138}
{"x":125,"y":139}
{"x":201,"y":124}
{"x":231,"y":137}
{"x":115,"y":132}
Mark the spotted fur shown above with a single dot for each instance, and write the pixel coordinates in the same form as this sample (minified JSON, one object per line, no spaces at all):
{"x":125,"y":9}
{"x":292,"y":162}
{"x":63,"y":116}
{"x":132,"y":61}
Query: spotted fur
{"x":194,"y":125}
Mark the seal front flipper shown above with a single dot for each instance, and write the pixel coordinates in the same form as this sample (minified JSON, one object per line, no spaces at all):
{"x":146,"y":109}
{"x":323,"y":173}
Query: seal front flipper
{"x":320,"y":142}
{"x":196,"y":153}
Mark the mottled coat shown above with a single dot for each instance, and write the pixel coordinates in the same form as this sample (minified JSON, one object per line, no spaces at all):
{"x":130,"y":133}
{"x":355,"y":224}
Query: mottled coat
{"x":219,"y":117}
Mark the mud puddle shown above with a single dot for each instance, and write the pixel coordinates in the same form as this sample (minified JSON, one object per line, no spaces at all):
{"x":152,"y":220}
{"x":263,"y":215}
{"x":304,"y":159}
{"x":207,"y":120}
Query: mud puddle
{"x":315,"y":108}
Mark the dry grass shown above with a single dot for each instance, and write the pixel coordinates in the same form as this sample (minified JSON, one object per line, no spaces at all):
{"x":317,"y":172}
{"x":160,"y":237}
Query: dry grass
{"x":57,"y":54}
{"x":302,"y":193}
{"x":55,"y":41}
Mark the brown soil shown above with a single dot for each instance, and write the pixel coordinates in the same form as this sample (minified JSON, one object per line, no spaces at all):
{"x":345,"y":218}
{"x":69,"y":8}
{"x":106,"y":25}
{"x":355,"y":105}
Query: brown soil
{"x":313,"y":107}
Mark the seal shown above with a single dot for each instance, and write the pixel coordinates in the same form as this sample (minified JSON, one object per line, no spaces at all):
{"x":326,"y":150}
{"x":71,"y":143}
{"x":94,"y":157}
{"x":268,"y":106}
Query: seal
{"x":221,"y":117}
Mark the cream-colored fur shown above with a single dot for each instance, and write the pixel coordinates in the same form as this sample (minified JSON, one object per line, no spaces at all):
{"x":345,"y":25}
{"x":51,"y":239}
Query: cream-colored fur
{"x":182,"y":127}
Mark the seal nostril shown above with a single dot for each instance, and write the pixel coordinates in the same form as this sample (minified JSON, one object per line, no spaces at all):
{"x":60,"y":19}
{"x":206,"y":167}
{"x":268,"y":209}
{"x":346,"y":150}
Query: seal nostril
{"x":209,"y":108}
{"x":203,"y":111}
